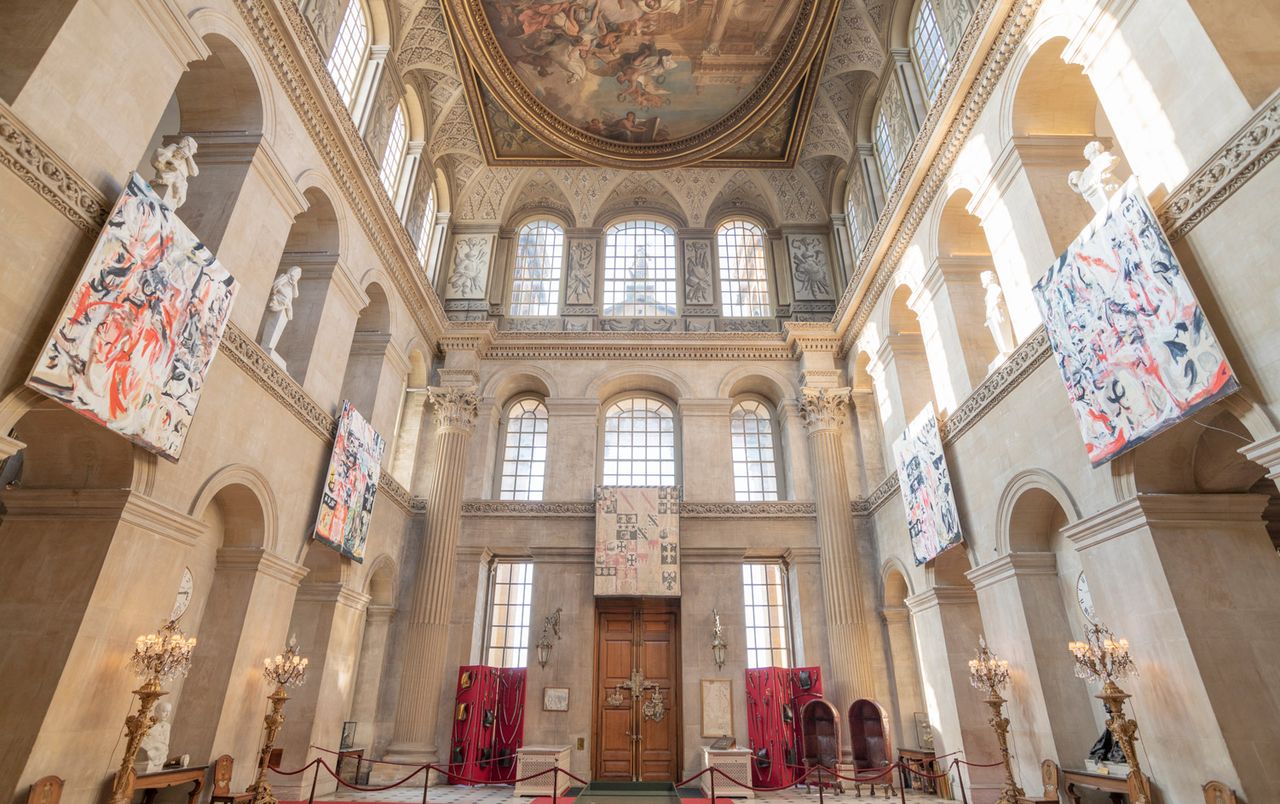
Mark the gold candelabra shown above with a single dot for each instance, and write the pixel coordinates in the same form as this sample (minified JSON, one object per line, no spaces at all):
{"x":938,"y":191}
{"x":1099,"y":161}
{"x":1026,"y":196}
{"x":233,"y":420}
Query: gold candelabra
{"x":990,"y":674}
{"x":156,"y":658}
{"x":287,"y":669}
{"x":1102,"y":657}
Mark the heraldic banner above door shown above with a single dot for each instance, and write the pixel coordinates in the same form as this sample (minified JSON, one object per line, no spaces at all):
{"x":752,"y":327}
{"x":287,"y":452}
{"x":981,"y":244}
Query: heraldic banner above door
{"x":637,"y":541}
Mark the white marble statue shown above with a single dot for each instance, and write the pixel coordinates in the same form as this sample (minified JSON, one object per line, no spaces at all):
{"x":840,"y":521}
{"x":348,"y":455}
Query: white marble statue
{"x":997,"y":314}
{"x":1095,"y":182}
{"x":155,"y":745}
{"x":279,"y":311}
{"x":174,"y":164}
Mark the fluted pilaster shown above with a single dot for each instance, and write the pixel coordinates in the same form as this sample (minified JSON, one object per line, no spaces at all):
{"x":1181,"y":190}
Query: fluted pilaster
{"x":428,"y":622}
{"x":825,"y":412}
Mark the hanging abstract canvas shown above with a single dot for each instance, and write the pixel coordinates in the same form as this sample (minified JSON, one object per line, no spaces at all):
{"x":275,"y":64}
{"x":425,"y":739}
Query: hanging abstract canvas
{"x":346,"y":504}
{"x":1134,"y":348}
{"x":933,"y":523}
{"x":637,"y":541}
{"x":133,"y":343}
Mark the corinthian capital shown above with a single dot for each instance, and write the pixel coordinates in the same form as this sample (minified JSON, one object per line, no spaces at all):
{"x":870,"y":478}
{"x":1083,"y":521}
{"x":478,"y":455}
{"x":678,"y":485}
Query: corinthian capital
{"x":824,"y":408}
{"x":455,"y":407}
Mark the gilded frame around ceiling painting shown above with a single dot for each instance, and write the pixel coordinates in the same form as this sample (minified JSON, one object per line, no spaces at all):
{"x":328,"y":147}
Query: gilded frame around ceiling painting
{"x":787,"y":81}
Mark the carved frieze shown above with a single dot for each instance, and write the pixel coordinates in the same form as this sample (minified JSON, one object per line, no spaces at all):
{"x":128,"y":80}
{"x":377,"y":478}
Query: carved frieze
{"x":580,"y":279}
{"x":697,"y":272}
{"x":469,"y":275}
{"x":810,"y":267}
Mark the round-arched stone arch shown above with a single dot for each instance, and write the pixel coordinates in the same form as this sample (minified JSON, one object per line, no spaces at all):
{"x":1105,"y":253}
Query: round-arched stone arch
{"x":516,"y":380}
{"x":255,"y":484}
{"x":891,"y":566}
{"x":758,"y":380}
{"x":208,"y":22}
{"x":317,"y":181}
{"x":381,"y":581}
{"x":642,"y":377}
{"x":1019,"y":485}
{"x":1063,"y":24}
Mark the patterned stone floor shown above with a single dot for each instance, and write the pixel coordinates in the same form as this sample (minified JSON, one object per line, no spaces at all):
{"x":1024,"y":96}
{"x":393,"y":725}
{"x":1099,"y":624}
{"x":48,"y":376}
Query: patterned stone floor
{"x":502,"y":794}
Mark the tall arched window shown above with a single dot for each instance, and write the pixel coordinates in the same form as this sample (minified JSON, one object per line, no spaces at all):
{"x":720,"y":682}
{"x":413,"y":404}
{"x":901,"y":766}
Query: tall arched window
{"x":640,"y":269}
{"x":350,"y":51}
{"x":524,"y":451}
{"x":852,"y":221}
{"x":884,"y":151}
{"x":535,"y":283}
{"x":744,"y":272}
{"x":639,"y":443}
{"x":428,"y":224}
{"x":393,"y":157}
{"x":755,"y":463}
{"x":929,"y":49}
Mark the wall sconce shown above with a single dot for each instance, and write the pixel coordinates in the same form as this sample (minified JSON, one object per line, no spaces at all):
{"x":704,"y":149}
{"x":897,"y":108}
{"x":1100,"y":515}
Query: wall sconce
{"x":551,"y":625}
{"x":718,"y":645}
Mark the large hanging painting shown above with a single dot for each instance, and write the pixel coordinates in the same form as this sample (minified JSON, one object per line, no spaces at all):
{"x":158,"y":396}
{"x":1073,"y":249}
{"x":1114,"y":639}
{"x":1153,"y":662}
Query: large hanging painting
{"x":637,"y":541}
{"x":133,"y":343}
{"x":346,"y":504}
{"x":663,"y":82}
{"x":1135,"y":350}
{"x":933,"y":523}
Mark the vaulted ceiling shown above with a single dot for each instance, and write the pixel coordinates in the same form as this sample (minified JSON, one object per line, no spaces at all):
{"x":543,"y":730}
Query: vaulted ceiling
{"x":763,"y":122}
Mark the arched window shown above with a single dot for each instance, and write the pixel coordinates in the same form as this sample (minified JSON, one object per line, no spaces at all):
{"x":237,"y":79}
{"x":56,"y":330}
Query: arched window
{"x":755,"y":464}
{"x":929,"y":49}
{"x":349,"y":51}
{"x":639,"y":444}
{"x":852,"y":221}
{"x":535,"y":284}
{"x":744,"y":274}
{"x":640,"y":269}
{"x":524,"y":451}
{"x":428,"y":224}
{"x":884,"y":151}
{"x":393,"y":157}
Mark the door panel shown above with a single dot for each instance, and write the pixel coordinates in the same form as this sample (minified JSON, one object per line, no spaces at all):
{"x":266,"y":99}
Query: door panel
{"x":638,"y":635}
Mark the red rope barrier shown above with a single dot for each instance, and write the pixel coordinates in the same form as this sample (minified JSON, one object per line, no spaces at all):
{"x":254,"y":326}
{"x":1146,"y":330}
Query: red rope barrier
{"x":344,"y":783}
{"x":303,"y":769}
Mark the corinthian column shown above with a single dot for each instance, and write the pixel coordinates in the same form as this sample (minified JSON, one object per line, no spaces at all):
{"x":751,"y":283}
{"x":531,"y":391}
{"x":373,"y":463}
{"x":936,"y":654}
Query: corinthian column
{"x":427,"y":628}
{"x":825,"y":411}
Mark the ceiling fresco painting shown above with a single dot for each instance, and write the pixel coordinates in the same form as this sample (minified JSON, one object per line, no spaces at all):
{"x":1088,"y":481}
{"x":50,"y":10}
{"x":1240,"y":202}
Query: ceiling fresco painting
{"x":641,"y":83}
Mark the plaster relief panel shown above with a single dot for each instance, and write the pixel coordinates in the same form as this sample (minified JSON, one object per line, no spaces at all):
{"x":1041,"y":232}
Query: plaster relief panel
{"x":810,"y":267}
{"x":580,"y":281}
{"x":469,"y":275}
{"x":697,"y":272}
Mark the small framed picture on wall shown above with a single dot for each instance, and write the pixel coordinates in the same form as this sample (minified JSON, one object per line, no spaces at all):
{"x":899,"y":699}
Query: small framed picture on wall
{"x":555,"y":699}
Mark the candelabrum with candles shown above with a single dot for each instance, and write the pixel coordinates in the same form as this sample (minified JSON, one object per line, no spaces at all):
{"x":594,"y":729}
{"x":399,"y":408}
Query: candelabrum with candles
{"x":288,"y":669}
{"x":157,"y":658}
{"x":990,"y":674}
{"x":1102,"y":657}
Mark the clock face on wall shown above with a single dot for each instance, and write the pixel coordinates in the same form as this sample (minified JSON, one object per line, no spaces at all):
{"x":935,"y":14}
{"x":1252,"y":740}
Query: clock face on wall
{"x":184,"y":595}
{"x":1085,"y":599}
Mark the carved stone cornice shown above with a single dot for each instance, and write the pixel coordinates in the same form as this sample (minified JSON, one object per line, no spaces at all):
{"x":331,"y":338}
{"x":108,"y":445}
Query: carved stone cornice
{"x":250,"y":357}
{"x":811,"y":336}
{"x":286,"y":41}
{"x":824,"y":408}
{"x":596,"y":345}
{"x":1024,"y":360}
{"x":469,"y":336}
{"x":1253,"y":146}
{"x":779,"y":509}
{"x":522,"y":508}
{"x":390,"y":488}
{"x":864,"y":506}
{"x":455,"y":408}
{"x":45,"y":172}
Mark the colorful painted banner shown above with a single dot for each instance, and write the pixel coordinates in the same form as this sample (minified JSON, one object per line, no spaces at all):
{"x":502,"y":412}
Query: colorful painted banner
{"x":933,"y":523}
{"x":346,"y":504}
{"x":637,"y":541}
{"x":1134,"y":348}
{"x":134,"y":341}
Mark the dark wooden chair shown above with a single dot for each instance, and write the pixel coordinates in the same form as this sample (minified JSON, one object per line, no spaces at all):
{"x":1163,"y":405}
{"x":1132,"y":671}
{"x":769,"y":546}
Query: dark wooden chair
{"x":1214,"y":793}
{"x":48,"y":790}
{"x":222,"y":768}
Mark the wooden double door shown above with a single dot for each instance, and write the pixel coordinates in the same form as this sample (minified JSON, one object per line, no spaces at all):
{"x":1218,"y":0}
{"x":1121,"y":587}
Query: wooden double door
{"x":637,"y":690}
